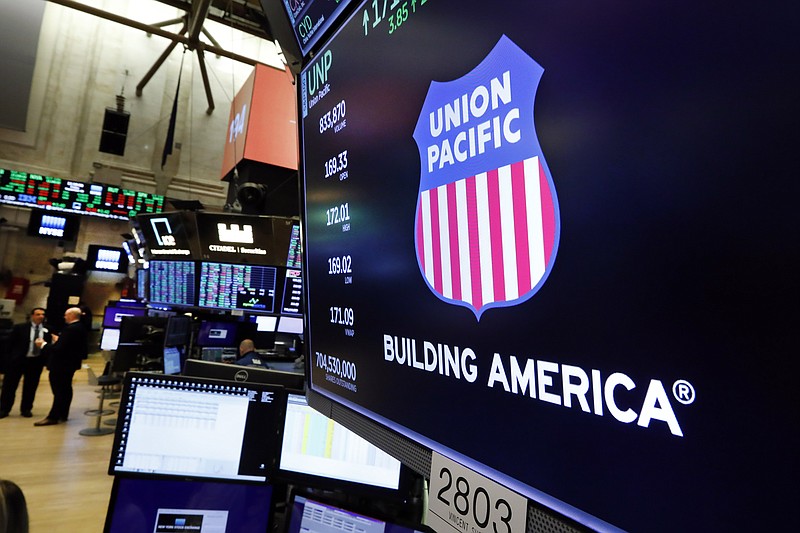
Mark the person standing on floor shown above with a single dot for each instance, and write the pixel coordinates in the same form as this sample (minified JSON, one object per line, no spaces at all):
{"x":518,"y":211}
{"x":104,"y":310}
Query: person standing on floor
{"x":64,"y":356}
{"x":25,"y":362}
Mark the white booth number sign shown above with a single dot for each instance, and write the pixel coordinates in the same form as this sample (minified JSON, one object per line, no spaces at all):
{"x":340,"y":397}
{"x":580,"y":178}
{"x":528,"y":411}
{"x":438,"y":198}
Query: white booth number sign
{"x":464,"y":501}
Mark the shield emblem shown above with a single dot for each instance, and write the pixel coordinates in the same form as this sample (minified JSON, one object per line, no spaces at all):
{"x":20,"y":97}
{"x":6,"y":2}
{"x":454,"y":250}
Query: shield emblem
{"x":487,"y":224}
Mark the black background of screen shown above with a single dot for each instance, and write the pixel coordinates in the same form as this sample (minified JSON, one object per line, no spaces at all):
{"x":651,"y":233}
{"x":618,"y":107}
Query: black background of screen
{"x":184,"y":231}
{"x":94,"y":250}
{"x":271,"y":234}
{"x":72,"y":225}
{"x":665,"y":129}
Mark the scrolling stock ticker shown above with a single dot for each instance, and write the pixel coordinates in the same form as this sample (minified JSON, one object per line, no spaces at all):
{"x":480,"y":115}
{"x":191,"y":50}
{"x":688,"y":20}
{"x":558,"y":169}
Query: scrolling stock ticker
{"x":471,"y":278}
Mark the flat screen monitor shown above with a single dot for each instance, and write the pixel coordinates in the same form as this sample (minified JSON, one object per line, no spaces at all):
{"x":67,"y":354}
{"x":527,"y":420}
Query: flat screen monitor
{"x":52,"y":194}
{"x":211,"y":354}
{"x":312,"y":19}
{"x":109,"y":339}
{"x":295,"y":257}
{"x":198,"y":428}
{"x":292,"y":294}
{"x":313,"y":516}
{"x":142,"y":281}
{"x":244,"y":239}
{"x":167,"y":505}
{"x":113,"y":314}
{"x":290,"y":324}
{"x":217,"y":333}
{"x":243,"y":287}
{"x":244,"y":374}
{"x":583,"y":233}
{"x":266,"y":323}
{"x":169,"y":235}
{"x":172,"y":283}
{"x":178,"y":331}
{"x":53,"y":225}
{"x":173,"y":360}
{"x":314,"y":446}
{"x":106,"y":259}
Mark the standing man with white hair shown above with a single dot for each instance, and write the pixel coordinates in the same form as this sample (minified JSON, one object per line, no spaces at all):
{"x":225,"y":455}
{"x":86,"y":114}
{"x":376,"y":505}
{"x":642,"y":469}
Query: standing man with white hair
{"x":64,"y":357}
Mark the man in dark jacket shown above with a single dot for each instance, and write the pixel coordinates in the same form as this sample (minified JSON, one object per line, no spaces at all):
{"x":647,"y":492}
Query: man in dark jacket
{"x":248,"y":356}
{"x":64,"y":356}
{"x":24,"y":362}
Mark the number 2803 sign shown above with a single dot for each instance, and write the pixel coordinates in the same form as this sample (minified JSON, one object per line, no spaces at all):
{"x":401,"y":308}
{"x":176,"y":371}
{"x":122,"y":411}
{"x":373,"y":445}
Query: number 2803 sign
{"x":465,"y":501}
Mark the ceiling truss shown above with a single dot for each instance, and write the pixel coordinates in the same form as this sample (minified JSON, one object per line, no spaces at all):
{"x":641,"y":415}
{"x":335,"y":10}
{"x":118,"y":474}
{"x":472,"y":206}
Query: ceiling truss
{"x":243,"y":15}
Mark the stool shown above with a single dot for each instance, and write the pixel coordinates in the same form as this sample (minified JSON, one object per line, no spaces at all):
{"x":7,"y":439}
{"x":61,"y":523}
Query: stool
{"x":106,"y":383}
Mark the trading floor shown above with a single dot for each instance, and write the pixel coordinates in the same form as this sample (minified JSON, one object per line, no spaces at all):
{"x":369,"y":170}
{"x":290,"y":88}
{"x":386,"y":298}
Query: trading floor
{"x":63,"y":474}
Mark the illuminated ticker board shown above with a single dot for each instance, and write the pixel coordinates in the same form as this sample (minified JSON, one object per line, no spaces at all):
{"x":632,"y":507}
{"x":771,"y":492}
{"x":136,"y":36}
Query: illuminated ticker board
{"x":94,"y":199}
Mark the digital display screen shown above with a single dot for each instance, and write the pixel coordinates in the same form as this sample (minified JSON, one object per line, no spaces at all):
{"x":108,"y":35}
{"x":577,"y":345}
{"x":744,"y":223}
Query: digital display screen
{"x":310,"y":19}
{"x":168,"y":505}
{"x":95,"y":199}
{"x":191,"y":427}
{"x":314,"y":445}
{"x":172,"y":282}
{"x":109,"y":340}
{"x":262,"y":240}
{"x":289,"y":324}
{"x":142,"y":282}
{"x":169,"y":235}
{"x":106,"y":258}
{"x":312,"y":516}
{"x":53,"y":225}
{"x":295,"y":258}
{"x":570,"y":240}
{"x":212,"y":333}
{"x":292,"y":292}
{"x":245,"y":287}
{"x":172,"y":360}
{"x":112,"y":316}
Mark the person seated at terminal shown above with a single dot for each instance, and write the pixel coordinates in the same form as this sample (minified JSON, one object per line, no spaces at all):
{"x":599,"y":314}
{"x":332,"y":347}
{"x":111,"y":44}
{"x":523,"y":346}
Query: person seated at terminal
{"x":248,"y":355}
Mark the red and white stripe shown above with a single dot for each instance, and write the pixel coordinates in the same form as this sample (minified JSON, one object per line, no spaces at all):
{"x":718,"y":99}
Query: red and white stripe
{"x":487,"y":238}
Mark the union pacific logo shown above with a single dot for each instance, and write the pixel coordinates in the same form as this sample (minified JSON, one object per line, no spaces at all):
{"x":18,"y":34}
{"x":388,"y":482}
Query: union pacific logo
{"x":487,"y":222}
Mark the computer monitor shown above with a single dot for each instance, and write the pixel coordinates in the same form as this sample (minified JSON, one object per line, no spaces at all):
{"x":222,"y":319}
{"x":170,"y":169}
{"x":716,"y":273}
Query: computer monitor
{"x":109,"y":339}
{"x":50,"y":225}
{"x":266,"y":323}
{"x":178,"y":330}
{"x":172,"y":283}
{"x":308,"y":515}
{"x":197,"y":428}
{"x":290,"y":324}
{"x":106,"y":258}
{"x":243,"y":374}
{"x":113,"y":314}
{"x":217,"y":333}
{"x":211,"y":354}
{"x":238,"y":286}
{"x":169,"y":505}
{"x":172,"y":360}
{"x":318,"y":452}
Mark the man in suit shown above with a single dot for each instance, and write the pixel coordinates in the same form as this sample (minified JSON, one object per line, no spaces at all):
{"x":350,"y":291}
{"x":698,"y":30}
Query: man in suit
{"x":24,"y":362}
{"x":64,"y":356}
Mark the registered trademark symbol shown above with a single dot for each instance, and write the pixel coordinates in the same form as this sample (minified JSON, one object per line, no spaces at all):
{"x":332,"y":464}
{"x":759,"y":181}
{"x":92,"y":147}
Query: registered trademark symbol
{"x":683,"y":391}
